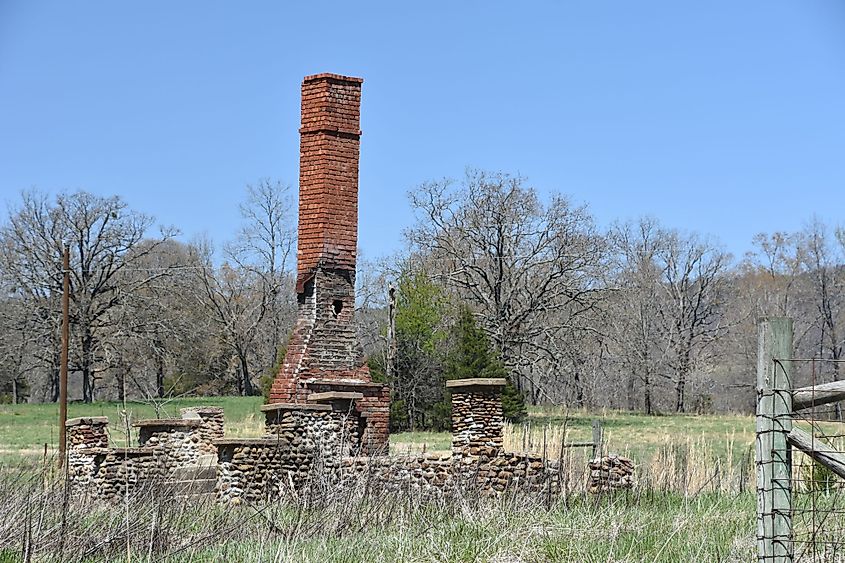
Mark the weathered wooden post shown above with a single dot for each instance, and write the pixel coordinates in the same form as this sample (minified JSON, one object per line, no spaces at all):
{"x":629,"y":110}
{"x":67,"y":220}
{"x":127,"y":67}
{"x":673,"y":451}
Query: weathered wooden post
{"x":774,"y":422}
{"x":597,"y":438}
{"x":64,"y":356}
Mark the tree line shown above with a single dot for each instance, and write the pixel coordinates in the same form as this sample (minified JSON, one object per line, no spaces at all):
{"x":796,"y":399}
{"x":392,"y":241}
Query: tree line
{"x":493,"y":279}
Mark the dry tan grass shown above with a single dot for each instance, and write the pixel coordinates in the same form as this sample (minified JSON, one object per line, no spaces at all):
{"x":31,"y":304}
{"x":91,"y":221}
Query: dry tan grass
{"x":678,"y":462}
{"x":251,"y":426}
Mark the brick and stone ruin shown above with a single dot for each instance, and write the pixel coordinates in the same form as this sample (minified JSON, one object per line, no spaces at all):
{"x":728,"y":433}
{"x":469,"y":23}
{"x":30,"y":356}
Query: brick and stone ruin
{"x":326,"y":421}
{"x":323,"y":355}
{"x":303,"y":444}
{"x":179,"y":454}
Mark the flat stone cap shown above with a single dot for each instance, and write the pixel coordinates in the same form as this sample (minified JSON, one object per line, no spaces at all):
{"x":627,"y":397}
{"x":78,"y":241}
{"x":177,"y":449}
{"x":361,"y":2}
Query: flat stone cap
{"x":478,"y":382}
{"x":344,"y":383}
{"x":128,"y":452}
{"x":166,"y":422}
{"x":329,"y":396}
{"x":202,"y":409}
{"x":245,"y":442}
{"x":294,"y":407}
{"x":87,"y":420}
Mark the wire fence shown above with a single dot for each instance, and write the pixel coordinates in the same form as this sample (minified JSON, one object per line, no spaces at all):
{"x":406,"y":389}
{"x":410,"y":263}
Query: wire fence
{"x":815,"y":514}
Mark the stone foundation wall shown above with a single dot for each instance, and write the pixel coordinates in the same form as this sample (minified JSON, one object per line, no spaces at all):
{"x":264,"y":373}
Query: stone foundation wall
{"x":300,"y":442}
{"x":426,"y":472}
{"x":177,"y":441}
{"x":320,"y":444}
{"x":373,"y":407}
{"x":516,"y":470}
{"x":254,"y":470}
{"x":307,"y":430}
{"x":109,"y":474}
{"x":86,"y":437}
{"x":444,"y":473}
{"x":122,"y":471}
{"x":266,"y":468}
{"x":610,"y":473}
{"x":306,"y":442}
{"x":166,"y":445}
{"x":211,"y":427}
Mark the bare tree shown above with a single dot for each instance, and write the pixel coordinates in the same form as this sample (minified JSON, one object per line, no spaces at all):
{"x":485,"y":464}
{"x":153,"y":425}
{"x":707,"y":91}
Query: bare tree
{"x":775,"y":267}
{"x":250,"y":296}
{"x":234,"y":298}
{"x":264,"y":248}
{"x":824,"y":259}
{"x":800,"y":275}
{"x":529,"y":268}
{"x":634,"y":312}
{"x":18,"y":342}
{"x":158,"y":327}
{"x":671,"y":308}
{"x":694,"y":286}
{"x":103,"y":234}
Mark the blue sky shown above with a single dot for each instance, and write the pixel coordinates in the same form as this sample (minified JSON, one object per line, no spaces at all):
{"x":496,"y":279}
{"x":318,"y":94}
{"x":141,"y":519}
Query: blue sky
{"x":723,"y":117}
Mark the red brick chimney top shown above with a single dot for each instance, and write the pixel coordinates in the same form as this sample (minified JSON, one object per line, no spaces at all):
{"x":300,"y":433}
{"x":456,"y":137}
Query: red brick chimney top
{"x":332,"y":76}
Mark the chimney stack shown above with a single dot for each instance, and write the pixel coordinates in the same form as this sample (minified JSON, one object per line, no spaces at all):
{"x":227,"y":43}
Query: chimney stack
{"x":323,"y":354}
{"x":328,"y":174}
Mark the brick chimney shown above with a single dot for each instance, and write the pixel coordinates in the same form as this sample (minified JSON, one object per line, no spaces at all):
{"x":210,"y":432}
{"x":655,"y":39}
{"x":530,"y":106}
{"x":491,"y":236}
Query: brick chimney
{"x":323,"y":353}
{"x":328,"y":175}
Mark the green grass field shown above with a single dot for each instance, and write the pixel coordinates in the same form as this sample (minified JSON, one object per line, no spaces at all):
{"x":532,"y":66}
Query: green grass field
{"x":25,"y":429}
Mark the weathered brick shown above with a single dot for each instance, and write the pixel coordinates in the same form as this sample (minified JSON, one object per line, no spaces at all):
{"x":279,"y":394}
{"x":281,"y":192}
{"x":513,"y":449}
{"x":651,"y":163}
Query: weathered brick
{"x":324,"y":344}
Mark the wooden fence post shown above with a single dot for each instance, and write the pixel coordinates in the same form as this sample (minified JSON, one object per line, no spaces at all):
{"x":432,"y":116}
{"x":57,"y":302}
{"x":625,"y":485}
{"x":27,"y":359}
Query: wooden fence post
{"x":597,"y":439}
{"x":774,"y":422}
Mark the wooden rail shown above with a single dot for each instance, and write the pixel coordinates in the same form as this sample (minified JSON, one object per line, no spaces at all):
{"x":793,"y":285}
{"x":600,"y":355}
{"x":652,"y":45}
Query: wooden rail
{"x":818,"y":395}
{"x":579,"y":445}
{"x":596,"y":443}
{"x":818,"y":450}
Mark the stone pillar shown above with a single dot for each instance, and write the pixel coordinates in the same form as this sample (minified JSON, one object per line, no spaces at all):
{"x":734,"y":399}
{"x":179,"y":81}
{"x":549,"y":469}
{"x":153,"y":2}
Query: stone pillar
{"x":610,"y":473}
{"x":211,"y":427}
{"x":477,"y":419}
{"x":87,"y":432}
{"x":87,"y":437}
{"x":310,"y":437}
